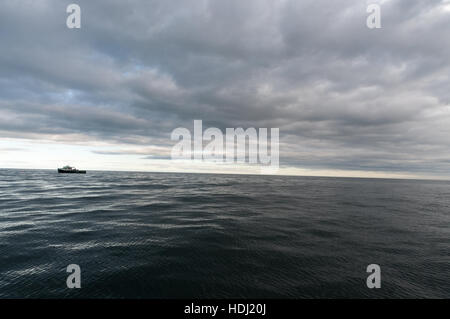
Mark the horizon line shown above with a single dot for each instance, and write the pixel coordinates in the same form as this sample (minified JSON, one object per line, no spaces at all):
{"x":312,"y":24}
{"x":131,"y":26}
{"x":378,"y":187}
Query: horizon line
{"x":244,"y":174}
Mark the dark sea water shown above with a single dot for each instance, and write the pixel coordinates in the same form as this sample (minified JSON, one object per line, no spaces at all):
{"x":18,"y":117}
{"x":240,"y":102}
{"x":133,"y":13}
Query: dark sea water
{"x":154,"y":235}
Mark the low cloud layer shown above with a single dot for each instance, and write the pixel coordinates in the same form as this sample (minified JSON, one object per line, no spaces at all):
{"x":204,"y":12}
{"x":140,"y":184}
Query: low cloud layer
{"x":345,"y":97}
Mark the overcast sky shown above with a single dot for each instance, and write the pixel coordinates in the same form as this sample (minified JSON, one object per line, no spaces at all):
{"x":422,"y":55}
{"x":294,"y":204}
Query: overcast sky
{"x":348,"y":100}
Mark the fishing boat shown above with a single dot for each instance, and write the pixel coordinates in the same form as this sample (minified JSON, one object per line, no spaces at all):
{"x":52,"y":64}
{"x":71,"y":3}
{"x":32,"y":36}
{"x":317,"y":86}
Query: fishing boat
{"x":70,"y":170}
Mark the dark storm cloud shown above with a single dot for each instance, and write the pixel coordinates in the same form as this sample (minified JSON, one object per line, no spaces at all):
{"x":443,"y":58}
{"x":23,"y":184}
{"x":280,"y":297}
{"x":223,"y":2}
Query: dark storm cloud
{"x":343,"y":96}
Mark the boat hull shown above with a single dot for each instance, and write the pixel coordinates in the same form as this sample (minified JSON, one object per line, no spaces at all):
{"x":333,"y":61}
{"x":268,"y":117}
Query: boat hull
{"x":65,"y":171}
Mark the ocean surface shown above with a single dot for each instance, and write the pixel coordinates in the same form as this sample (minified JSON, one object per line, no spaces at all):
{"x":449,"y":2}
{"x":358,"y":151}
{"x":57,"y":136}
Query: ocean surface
{"x":157,"y":235}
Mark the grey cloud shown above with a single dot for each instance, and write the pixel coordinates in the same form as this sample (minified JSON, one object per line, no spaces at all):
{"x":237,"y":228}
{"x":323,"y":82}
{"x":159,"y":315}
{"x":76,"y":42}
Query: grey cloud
{"x":342,"y":95}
